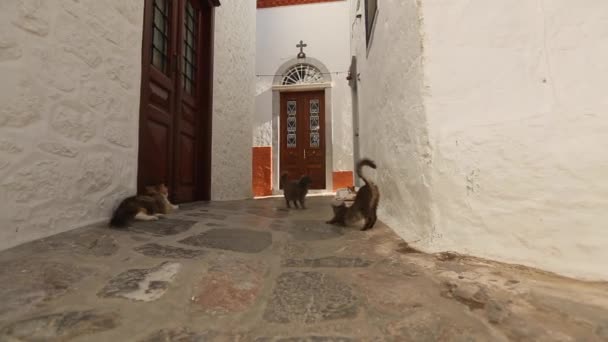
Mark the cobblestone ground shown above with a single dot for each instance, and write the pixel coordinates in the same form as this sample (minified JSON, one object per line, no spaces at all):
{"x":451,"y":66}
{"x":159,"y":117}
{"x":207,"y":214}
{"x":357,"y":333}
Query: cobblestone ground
{"x":253,"y":271}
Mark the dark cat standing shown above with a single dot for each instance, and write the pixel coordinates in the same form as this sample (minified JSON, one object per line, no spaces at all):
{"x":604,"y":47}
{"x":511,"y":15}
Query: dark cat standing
{"x":295,"y":191}
{"x":365,"y":204}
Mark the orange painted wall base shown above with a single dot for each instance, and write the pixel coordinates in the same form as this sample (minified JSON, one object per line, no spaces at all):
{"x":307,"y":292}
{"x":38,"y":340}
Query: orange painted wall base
{"x":262,"y":171}
{"x":342,"y":179}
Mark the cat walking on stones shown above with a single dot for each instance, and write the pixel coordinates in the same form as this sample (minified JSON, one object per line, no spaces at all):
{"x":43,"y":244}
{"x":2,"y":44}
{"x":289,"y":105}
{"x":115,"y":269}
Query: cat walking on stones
{"x":148,"y":207}
{"x":365,"y":205}
{"x":295,"y":191}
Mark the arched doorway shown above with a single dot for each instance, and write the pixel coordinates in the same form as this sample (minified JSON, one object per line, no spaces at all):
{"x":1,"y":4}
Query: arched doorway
{"x":302,"y":122}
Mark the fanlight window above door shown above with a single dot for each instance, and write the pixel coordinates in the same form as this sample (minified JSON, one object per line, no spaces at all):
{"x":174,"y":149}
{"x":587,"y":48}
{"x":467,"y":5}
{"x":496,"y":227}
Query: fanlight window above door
{"x":302,"y":74}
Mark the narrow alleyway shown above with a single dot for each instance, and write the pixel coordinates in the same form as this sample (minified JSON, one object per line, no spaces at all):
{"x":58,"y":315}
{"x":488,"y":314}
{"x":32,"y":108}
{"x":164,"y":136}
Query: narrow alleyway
{"x":253,"y":271}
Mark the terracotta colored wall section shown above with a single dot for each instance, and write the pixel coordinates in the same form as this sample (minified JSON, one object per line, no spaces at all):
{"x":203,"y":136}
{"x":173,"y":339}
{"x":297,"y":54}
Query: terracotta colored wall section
{"x":262,"y":171}
{"x":342,"y":179}
{"x":277,"y":3}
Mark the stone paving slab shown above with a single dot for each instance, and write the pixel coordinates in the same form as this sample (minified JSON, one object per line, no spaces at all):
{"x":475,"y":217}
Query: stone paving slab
{"x":230,"y":285}
{"x":238,"y":240}
{"x":187,"y":335}
{"x":306,"y":339}
{"x":310,"y":297}
{"x":255,"y":271}
{"x":162,"y":227}
{"x":335,"y":262}
{"x":60,"y":326}
{"x":28,"y":283}
{"x":168,"y":252}
{"x":94,"y":242}
{"x":312,"y":230}
{"x":141,"y":284}
{"x":205,"y":215}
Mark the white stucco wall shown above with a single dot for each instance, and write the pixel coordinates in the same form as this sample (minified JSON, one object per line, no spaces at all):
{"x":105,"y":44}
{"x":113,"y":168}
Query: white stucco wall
{"x":393,"y":128}
{"x":324,"y":27}
{"x":69,"y":108}
{"x":514,"y":106}
{"x":517,"y":110}
{"x":233,"y":99}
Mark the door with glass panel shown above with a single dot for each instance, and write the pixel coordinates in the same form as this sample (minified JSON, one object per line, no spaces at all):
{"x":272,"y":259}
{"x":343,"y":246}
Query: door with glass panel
{"x":303,"y":136}
{"x":174,"y":136}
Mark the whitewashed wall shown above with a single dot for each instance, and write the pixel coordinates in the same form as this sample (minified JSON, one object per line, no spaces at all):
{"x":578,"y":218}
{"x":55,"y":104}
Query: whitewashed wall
{"x":513,"y":100}
{"x":518,"y":115}
{"x":324,"y":27}
{"x":69,"y":108}
{"x":393,"y":128}
{"x":233,"y":99}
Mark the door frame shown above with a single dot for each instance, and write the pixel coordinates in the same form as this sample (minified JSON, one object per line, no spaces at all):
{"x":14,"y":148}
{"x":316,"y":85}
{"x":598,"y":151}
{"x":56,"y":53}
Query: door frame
{"x":277,"y":89}
{"x":283,"y":98}
{"x":204,"y":129}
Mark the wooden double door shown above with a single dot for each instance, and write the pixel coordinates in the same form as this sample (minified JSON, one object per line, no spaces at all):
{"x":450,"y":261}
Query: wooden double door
{"x":303,"y":136}
{"x":175,"y":109}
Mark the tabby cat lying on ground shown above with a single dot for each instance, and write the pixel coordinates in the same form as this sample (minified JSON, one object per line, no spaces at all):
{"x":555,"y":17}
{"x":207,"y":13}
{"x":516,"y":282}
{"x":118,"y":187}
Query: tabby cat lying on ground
{"x":147,"y":207}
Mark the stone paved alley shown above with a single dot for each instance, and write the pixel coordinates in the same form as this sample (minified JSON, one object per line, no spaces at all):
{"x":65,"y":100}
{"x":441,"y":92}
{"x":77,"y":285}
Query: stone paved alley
{"x":253,"y":271}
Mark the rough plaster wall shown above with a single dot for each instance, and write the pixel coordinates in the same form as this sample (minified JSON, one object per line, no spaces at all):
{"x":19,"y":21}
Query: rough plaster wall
{"x":233,"y":99}
{"x":279,"y":30}
{"x":262,"y":122}
{"x":342,"y":125}
{"x":517,"y":108}
{"x":69,"y":99}
{"x":393,"y":128}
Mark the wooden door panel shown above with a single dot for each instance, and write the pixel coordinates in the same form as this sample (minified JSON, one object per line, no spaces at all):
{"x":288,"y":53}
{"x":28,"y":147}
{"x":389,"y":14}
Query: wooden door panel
{"x":160,"y":95}
{"x":186,"y":148}
{"x":156,"y":119}
{"x":314,"y":136}
{"x":176,"y":97}
{"x":290,"y":144}
{"x":154,"y":158}
{"x":187,"y":119}
{"x":303,"y":136}
{"x":189,"y":109}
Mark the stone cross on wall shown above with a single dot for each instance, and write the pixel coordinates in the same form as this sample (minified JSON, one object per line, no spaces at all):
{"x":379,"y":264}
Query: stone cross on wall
{"x":301,"y":46}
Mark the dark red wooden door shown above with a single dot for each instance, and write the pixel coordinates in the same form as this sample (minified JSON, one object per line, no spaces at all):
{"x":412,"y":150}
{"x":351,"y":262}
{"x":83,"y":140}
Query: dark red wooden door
{"x":176,"y":98}
{"x":188,"y":103}
{"x":303,"y":136}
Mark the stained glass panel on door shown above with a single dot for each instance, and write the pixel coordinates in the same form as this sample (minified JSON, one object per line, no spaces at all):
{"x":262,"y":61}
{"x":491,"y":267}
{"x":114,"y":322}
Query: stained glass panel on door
{"x":314,"y":107}
{"x":291,"y":107}
{"x":314,"y":124}
{"x":291,"y":140}
{"x":291,"y":124}
{"x":315,"y":139}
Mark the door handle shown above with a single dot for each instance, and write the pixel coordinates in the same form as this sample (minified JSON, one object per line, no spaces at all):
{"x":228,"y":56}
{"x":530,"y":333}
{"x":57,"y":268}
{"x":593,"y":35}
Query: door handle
{"x":304,"y":154}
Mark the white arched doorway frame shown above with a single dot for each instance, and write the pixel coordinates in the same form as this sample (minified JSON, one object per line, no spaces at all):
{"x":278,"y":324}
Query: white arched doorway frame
{"x":323,"y":83}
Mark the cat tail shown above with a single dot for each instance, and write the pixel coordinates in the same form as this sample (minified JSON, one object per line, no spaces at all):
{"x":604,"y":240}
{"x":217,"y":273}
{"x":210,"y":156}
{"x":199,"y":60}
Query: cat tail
{"x":123,"y":215}
{"x":361,"y":164}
